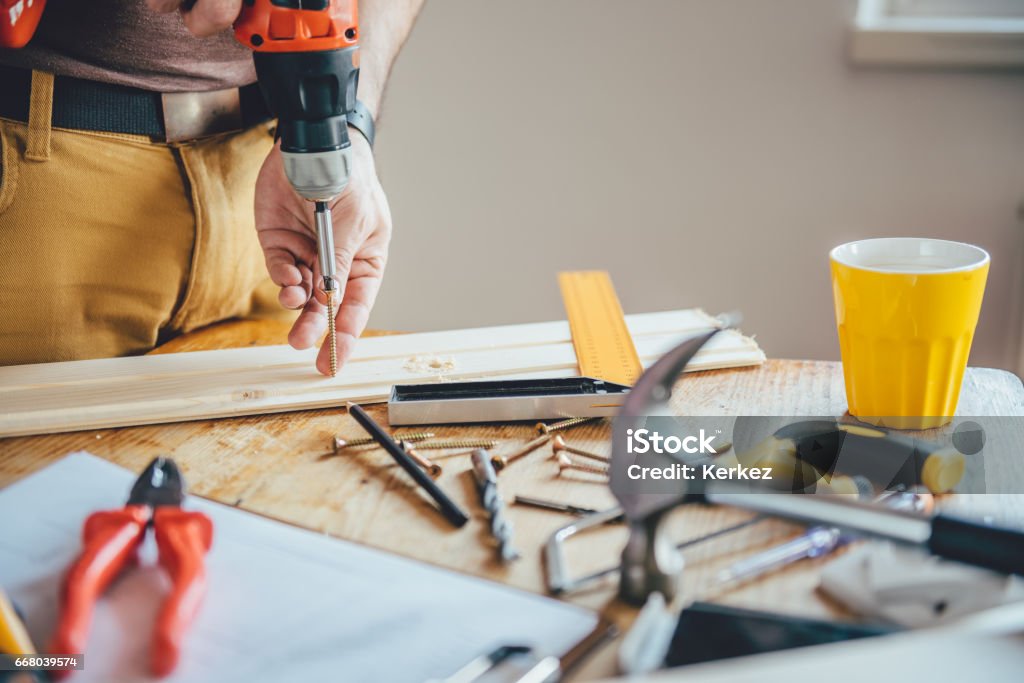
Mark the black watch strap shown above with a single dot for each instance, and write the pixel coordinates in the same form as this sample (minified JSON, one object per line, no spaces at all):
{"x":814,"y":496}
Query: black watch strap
{"x":360,"y":119}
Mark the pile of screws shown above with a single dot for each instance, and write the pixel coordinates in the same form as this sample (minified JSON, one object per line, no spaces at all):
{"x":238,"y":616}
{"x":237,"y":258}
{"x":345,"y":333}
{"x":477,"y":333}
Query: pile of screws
{"x":546,"y":433}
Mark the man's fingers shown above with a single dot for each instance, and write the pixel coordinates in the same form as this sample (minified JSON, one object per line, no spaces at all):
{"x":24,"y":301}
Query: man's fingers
{"x":296,"y":296}
{"x":286,"y":254}
{"x":209,"y":17}
{"x":293,"y":278}
{"x":282,"y":267}
{"x":309,"y":326}
{"x":356,"y":305}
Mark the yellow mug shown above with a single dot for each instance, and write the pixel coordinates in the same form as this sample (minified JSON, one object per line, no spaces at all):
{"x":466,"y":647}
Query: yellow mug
{"x":906,"y":309}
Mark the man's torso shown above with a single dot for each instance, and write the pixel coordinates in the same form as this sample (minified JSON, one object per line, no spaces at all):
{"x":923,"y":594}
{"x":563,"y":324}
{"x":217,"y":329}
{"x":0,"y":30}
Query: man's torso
{"x":124,"y":42}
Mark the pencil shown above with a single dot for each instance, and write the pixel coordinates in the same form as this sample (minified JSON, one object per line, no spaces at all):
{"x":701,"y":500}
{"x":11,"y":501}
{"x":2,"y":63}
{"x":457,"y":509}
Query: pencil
{"x":14,"y":638}
{"x":448,"y":508}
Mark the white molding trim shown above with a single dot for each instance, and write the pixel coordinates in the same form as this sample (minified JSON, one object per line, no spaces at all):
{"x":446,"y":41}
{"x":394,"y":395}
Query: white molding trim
{"x":879,"y":38}
{"x":116,"y":392}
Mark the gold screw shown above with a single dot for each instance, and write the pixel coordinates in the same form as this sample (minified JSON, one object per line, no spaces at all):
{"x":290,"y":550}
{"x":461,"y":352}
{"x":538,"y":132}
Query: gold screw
{"x":566,"y":463}
{"x":341,"y":444}
{"x":456,"y":454}
{"x":331,"y":332}
{"x":431,"y":467}
{"x":558,"y":445}
{"x":457,"y":443}
{"x":564,"y":424}
{"x":500,"y":462}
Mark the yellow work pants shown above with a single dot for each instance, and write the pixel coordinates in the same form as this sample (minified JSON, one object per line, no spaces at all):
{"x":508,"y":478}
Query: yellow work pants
{"x":111,"y":244}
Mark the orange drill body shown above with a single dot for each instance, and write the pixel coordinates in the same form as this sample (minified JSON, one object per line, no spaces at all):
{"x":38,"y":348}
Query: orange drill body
{"x":307,"y":63}
{"x":294,"y":26}
{"x":19,"y":21}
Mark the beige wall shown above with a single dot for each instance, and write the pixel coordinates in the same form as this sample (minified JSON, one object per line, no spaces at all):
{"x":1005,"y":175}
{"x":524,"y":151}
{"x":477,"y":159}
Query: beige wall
{"x":708,"y":153}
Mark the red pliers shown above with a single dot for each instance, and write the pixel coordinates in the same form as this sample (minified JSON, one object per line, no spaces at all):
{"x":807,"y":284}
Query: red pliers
{"x":111,"y":539}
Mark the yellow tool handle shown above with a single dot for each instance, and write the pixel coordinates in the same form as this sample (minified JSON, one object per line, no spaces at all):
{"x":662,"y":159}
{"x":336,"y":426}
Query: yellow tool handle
{"x":14,"y":638}
{"x":604,"y":346}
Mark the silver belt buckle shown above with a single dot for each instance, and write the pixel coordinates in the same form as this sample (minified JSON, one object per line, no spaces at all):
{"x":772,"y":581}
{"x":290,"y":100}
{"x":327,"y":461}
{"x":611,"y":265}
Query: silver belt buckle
{"x":193,"y":115}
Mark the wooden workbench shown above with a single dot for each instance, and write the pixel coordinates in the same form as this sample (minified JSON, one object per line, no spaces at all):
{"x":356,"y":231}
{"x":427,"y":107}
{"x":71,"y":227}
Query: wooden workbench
{"x":276,"y":465}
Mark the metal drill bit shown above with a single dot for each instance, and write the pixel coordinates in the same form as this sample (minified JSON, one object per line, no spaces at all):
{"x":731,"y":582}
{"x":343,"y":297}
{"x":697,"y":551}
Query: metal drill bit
{"x":325,"y":256}
{"x":556,"y":506}
{"x":487,"y":487}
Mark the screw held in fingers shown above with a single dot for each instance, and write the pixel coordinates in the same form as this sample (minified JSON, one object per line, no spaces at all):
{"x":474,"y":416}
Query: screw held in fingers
{"x":331,"y":332}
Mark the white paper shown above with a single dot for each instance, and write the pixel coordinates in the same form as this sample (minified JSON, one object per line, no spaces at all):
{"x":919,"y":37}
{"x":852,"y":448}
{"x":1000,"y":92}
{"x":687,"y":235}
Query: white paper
{"x":282,"y":603}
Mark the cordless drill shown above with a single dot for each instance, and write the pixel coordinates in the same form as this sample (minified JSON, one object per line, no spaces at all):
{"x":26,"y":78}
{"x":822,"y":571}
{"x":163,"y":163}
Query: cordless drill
{"x":19,"y":20}
{"x":307,"y":63}
{"x":306,"y":54}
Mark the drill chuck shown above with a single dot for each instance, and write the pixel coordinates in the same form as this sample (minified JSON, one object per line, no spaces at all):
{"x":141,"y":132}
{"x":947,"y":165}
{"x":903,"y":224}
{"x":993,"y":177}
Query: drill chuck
{"x":311,"y":93}
{"x":318,"y":176}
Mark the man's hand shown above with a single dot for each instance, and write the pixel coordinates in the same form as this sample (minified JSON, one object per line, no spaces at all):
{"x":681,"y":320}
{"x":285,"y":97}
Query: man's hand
{"x":362,"y":219}
{"x":362,"y":231}
{"x":202,"y":17}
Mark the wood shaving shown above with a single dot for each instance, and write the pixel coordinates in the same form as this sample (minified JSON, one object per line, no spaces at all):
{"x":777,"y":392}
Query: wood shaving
{"x":420,"y":364}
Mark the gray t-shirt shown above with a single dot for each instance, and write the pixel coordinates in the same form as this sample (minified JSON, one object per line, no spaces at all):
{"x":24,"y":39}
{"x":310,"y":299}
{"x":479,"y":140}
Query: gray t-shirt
{"x":124,"y":42}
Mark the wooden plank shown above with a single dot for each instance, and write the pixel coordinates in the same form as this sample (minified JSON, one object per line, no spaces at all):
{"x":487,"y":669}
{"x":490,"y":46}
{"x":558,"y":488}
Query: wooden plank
{"x":114,"y":392}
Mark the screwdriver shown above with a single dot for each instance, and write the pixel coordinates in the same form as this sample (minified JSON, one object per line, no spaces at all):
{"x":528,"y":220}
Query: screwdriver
{"x":815,"y":542}
{"x":325,"y":254}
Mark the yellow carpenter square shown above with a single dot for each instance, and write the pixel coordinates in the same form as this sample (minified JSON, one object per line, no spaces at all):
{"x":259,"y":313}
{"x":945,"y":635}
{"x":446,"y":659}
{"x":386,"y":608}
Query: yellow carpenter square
{"x":604,"y":347}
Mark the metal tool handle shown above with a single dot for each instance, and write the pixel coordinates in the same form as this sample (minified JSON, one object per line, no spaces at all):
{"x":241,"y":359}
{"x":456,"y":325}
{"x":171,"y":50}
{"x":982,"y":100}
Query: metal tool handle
{"x":985,"y":546}
{"x":815,"y":542}
{"x":978,"y":544}
{"x":650,"y":561}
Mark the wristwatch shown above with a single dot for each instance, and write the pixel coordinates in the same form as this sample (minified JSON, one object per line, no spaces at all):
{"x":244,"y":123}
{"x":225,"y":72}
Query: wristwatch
{"x":360,"y":119}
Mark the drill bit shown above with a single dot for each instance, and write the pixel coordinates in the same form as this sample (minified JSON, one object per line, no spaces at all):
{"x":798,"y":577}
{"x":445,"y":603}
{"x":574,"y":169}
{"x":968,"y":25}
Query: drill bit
{"x":325,"y":255}
{"x":487,"y":487}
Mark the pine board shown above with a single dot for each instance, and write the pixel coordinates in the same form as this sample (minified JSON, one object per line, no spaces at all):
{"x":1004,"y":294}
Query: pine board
{"x":116,"y":392}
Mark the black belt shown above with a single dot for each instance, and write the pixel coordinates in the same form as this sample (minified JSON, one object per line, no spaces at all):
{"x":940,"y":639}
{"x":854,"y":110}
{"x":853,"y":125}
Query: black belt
{"x":91,"y":105}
